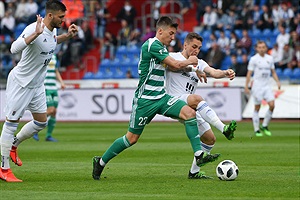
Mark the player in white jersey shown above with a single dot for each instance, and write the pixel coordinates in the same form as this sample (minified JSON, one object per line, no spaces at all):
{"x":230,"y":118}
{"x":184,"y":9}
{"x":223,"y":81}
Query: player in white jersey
{"x":262,"y":65}
{"x":25,"y":85}
{"x":183,"y":84}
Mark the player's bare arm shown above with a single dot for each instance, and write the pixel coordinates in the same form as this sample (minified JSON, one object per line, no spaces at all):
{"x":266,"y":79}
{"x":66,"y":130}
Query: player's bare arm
{"x":248,"y":77}
{"x":72,"y":31}
{"x":217,"y":73}
{"x":275,"y":77}
{"x":176,"y":64}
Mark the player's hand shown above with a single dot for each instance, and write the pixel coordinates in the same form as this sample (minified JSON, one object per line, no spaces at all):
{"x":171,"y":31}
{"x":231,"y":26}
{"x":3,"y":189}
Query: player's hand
{"x":202,"y":76}
{"x":62,"y":86}
{"x":39,"y":26}
{"x":230,"y":74}
{"x":72,"y":30}
{"x":278,"y":85}
{"x":193,"y":60}
{"x":247,"y":91}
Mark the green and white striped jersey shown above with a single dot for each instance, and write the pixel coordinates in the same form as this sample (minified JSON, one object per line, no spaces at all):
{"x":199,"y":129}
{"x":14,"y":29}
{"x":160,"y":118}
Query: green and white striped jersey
{"x":50,"y":80}
{"x":151,"y":70}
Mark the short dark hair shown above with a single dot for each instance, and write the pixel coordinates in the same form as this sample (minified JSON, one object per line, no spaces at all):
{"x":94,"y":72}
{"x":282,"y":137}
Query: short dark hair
{"x":166,"y":21}
{"x":191,"y":36}
{"x":55,"y":5}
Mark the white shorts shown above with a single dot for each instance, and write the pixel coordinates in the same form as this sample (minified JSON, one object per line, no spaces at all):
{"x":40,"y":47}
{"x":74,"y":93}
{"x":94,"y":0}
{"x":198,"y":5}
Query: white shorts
{"x":203,"y":126}
{"x":262,"y":93}
{"x":19,"y":99}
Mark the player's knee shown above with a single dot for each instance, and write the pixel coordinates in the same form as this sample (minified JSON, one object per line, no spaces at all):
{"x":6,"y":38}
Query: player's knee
{"x":132,"y":138}
{"x":187,"y":113}
{"x":38,"y":126}
{"x":51,"y":111}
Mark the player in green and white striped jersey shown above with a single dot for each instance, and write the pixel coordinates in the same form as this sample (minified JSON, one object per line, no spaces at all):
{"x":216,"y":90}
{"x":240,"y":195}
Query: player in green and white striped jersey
{"x":150,"y":97}
{"x":52,"y":97}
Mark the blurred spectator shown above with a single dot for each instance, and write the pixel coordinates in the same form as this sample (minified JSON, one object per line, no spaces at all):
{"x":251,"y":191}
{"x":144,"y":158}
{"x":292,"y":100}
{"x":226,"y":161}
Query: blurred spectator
{"x":128,"y":13}
{"x":10,"y":6}
{"x":156,"y":10}
{"x":277,"y":56}
{"x":275,"y":14}
{"x":201,"y":4}
{"x":2,"y":9}
{"x":88,"y":41}
{"x":148,"y":34}
{"x":215,"y":56}
{"x":135,"y":37}
{"x":240,"y":68}
{"x":102,"y":15}
{"x":129,"y":74}
{"x":254,"y":18}
{"x":186,"y":5}
{"x":222,"y":22}
{"x":8,"y":24}
{"x":212,"y":39}
{"x":32,"y":9}
{"x":21,"y":14}
{"x":245,"y":42}
{"x":295,"y":21}
{"x":282,"y":38}
{"x":242,"y":18}
{"x":287,"y":57}
{"x":233,"y":42}
{"x":124,"y":33}
{"x":265,"y":21}
{"x":223,"y":42}
{"x":294,"y":39}
{"x":209,"y":18}
{"x":175,"y":45}
{"x":232,"y":20}
{"x":285,"y":14}
{"x":109,"y":43}
{"x":296,"y":60}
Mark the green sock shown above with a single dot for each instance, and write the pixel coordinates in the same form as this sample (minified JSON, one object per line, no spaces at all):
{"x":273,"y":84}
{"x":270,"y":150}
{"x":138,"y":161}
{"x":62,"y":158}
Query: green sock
{"x":117,"y":147}
{"x":191,"y":129}
{"x":51,"y":125}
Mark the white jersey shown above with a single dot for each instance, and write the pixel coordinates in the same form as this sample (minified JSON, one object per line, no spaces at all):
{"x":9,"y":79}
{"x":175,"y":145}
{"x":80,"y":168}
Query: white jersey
{"x":261,"y":67}
{"x":31,"y":69}
{"x":181,"y":82}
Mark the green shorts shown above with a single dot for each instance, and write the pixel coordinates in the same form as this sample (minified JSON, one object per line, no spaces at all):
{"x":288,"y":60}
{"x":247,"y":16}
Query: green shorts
{"x":144,"y":110}
{"x":52,"y":98}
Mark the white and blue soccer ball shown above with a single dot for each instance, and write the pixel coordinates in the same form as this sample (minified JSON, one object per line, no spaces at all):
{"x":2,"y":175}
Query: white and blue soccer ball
{"x":227,"y":170}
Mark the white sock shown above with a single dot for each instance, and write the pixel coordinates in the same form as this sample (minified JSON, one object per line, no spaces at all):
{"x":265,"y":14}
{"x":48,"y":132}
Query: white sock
{"x":194,"y":168}
{"x":28,"y":130}
{"x":209,"y":115}
{"x":267,"y":118}
{"x":255,"y":120}
{"x":102,"y":163}
{"x":206,"y":147}
{"x":7,"y":137}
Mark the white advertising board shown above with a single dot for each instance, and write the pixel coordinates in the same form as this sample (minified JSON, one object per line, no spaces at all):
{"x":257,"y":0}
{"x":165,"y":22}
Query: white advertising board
{"x":115,"y":104}
{"x":287,"y":104}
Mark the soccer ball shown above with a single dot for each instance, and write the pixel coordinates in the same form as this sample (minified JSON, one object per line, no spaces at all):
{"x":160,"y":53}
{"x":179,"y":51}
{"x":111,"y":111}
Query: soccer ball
{"x":227,"y":170}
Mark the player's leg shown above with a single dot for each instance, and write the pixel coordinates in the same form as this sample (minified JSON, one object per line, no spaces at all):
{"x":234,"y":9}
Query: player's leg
{"x":52,"y":104}
{"x":140,"y":116}
{"x":17,"y":99}
{"x":270,"y":98}
{"x":257,"y":98}
{"x":209,"y":115}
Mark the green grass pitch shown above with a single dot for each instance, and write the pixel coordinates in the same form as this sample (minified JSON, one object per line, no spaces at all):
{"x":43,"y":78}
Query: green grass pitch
{"x":157,"y":166}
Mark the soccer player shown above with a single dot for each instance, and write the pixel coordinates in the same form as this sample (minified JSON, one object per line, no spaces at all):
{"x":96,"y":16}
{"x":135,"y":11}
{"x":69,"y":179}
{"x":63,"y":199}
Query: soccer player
{"x":25,"y":84}
{"x":51,"y":97}
{"x":150,"y":97}
{"x":262,"y":65}
{"x":183,"y":84}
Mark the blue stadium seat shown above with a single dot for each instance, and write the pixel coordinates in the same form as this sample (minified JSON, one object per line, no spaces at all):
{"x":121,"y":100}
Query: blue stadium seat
{"x":19,"y":29}
{"x":98,"y":75}
{"x":296,"y":74}
{"x":104,"y":63}
{"x":226,"y":63}
{"x":287,"y":73}
{"x":88,"y":75}
{"x":118,"y":73}
{"x":267,"y":32}
{"x":238,"y":33}
{"x":275,"y":32}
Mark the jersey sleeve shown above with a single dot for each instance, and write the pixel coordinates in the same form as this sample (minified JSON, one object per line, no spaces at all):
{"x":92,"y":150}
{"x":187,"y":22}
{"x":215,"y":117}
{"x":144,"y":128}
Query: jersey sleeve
{"x":251,"y":64}
{"x":202,"y":64}
{"x":159,"y":51}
